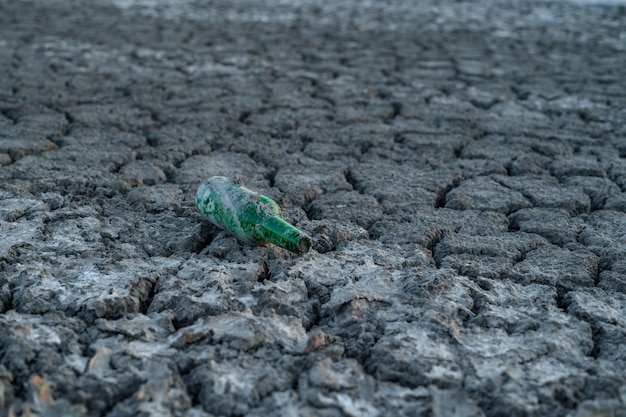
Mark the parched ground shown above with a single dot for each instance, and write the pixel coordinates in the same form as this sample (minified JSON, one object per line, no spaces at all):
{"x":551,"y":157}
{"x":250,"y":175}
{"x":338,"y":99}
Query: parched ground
{"x":461,"y":167}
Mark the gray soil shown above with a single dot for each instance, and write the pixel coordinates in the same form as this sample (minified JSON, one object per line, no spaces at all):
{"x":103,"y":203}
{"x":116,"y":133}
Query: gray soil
{"x":460,"y":166}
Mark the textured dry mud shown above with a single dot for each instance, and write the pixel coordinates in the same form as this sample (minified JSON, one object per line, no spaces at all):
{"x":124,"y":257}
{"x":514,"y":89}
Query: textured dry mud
{"x":460,"y":166}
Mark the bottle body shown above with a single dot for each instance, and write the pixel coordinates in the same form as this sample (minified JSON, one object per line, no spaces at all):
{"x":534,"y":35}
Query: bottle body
{"x":249,"y":216}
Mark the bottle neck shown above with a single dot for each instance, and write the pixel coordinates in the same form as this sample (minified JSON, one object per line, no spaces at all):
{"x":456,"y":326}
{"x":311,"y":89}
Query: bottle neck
{"x":275,"y":230}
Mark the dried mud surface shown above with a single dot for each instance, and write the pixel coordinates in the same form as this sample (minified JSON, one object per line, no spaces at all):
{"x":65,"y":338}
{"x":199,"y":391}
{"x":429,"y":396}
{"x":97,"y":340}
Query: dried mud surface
{"x":460,"y":166}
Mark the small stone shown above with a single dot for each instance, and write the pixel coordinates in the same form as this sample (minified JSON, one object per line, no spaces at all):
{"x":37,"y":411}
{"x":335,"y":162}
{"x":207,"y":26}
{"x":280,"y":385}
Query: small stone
{"x":109,"y":233}
{"x":53,"y":200}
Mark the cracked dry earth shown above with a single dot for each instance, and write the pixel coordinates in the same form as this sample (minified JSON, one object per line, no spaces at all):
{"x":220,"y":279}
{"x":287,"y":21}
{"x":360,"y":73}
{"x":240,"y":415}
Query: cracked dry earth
{"x":461,"y":168}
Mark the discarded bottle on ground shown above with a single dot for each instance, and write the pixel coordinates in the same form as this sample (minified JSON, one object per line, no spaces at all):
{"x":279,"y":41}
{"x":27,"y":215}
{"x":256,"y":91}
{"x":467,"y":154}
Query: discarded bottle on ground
{"x":248,"y":215}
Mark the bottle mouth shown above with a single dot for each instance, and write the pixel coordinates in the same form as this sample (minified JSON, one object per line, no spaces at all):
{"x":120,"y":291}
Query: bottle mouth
{"x":303,"y":245}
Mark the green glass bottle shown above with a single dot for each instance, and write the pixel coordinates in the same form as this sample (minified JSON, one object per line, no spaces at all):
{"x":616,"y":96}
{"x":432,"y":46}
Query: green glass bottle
{"x":249,"y":216}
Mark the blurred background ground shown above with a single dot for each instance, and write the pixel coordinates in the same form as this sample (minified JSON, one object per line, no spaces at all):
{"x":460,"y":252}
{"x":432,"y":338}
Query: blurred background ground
{"x":461,"y":167}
